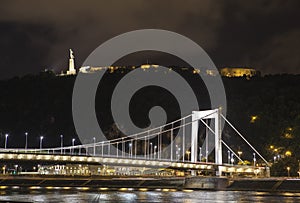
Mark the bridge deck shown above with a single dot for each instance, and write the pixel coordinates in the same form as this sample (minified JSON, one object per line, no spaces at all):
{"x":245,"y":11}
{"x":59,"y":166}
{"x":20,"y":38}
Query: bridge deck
{"x":126,"y":161}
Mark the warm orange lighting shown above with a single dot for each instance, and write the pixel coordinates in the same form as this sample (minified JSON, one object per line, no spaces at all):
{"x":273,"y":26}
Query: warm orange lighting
{"x":49,"y":188}
{"x":187,"y":190}
{"x":188,"y":153}
{"x":288,"y":135}
{"x":288,"y":153}
{"x":3,"y":187}
{"x":238,"y":72}
{"x":288,"y":169}
{"x":253,"y":119}
{"x":146,"y":66}
{"x":196,"y":71}
{"x":271,"y":146}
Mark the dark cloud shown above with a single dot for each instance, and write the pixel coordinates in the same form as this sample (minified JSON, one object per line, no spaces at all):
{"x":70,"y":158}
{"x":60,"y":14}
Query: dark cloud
{"x":23,"y":48}
{"x":281,"y":52}
{"x":37,"y":34}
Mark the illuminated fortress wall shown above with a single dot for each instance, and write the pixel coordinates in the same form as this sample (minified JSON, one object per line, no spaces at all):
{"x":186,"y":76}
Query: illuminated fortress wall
{"x":238,"y":72}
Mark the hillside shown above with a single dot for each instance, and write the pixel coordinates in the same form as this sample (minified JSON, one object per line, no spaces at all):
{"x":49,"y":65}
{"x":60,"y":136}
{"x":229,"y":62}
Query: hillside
{"x":265,"y":109}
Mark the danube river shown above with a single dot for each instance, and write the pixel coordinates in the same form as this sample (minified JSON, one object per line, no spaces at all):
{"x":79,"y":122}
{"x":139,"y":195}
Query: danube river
{"x":148,"y":196}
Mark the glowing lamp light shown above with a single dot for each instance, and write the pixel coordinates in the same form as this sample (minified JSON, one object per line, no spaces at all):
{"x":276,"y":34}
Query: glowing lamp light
{"x":288,"y":153}
{"x":253,"y":119}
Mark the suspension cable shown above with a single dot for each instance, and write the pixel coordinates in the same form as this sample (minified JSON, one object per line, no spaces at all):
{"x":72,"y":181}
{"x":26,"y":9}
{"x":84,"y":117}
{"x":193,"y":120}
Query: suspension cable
{"x":245,"y":140}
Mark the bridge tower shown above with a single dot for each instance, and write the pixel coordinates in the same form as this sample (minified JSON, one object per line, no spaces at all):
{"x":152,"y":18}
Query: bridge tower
{"x":203,"y":115}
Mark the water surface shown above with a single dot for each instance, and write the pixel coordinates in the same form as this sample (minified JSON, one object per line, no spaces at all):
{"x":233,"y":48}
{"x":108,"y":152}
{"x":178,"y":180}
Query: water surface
{"x":149,"y":196}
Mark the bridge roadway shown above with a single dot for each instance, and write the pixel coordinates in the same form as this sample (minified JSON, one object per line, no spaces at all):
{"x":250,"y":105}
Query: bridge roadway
{"x":125,"y":161}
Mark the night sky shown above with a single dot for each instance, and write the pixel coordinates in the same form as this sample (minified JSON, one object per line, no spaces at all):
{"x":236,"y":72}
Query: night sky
{"x":35,"y":34}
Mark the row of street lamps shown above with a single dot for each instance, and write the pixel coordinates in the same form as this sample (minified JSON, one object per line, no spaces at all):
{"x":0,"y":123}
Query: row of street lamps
{"x":231,"y":157}
{"x":153,"y":149}
{"x":41,"y":141}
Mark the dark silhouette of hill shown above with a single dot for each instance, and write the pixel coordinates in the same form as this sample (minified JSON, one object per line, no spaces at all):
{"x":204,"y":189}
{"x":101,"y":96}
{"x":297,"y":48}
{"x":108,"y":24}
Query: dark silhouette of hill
{"x":41,"y":105}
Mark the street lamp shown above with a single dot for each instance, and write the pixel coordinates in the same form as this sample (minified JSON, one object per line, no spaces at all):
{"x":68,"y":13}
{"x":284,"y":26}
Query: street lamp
{"x":16,"y":168}
{"x":228,"y":157}
{"x":232,"y":159}
{"x":240,"y":153}
{"x":5,"y":144}
{"x":176,"y":146}
{"x":177,"y":152}
{"x":299,"y":168}
{"x":188,"y":153}
{"x":177,"y":155}
{"x":61,"y":143}
{"x":200,"y":154}
{"x":94,"y":139}
{"x":26,"y":134}
{"x":155,"y":147}
{"x":73,"y":143}
{"x":288,"y":170}
{"x":102,"y":145}
{"x":41,"y":141}
{"x":130,"y":149}
{"x":151,"y":150}
{"x":254,"y":159}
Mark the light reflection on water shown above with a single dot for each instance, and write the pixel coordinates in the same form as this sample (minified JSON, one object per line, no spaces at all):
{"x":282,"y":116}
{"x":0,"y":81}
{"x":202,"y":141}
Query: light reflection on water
{"x":150,"y":196}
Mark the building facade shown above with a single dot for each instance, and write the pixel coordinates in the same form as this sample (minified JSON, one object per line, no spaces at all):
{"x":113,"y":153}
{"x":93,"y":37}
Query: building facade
{"x":238,"y":72}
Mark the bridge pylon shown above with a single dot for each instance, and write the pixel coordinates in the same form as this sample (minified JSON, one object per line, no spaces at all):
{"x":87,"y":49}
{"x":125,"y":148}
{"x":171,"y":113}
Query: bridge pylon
{"x":203,"y":115}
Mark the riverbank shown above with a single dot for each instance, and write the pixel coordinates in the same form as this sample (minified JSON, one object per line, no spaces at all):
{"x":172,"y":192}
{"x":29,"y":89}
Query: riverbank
{"x":148,"y":183}
{"x":90,"y":183}
{"x":265,"y":184}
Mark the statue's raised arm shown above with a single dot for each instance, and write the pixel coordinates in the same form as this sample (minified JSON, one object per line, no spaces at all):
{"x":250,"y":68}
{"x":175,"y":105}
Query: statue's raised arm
{"x":71,"y":54}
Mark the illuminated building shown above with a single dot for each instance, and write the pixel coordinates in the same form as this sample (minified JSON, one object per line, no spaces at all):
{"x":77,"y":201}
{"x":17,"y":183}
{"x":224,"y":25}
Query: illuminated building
{"x":238,"y":72}
{"x":70,"y":169}
{"x":226,"y":72}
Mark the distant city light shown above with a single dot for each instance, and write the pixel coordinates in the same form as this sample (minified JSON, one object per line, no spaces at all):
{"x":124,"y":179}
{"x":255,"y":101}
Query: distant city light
{"x":253,"y":119}
{"x":288,"y":153}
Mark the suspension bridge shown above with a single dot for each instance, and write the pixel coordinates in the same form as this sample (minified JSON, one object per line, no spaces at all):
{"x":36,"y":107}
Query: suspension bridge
{"x":174,"y":145}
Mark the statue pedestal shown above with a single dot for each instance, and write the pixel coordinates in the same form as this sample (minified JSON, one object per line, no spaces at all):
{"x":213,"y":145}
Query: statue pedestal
{"x":72,"y":70}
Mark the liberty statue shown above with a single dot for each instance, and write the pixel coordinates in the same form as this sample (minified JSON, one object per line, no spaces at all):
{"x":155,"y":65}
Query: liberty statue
{"x":72,"y":70}
{"x":71,"y":54}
